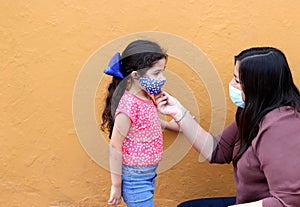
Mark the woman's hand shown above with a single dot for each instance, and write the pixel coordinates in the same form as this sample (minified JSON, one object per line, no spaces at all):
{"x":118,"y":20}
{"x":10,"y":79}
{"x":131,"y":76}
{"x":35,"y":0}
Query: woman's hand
{"x":169,"y":105}
{"x":115,"y":196}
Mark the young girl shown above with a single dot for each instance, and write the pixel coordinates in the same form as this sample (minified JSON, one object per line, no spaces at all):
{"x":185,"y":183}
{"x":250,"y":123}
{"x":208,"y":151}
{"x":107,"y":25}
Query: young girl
{"x":134,"y":126}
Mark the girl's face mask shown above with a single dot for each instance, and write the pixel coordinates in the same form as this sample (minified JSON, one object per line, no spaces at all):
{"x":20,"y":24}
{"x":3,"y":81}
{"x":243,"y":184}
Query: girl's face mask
{"x":152,"y":86}
{"x":236,"y":96}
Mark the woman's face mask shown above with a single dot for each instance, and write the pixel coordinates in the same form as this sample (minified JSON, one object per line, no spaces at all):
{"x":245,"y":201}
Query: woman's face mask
{"x":152,"y":86}
{"x":236,"y":96}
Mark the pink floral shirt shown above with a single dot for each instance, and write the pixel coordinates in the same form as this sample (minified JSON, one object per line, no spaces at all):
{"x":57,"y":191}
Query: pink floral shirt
{"x":143,"y":144}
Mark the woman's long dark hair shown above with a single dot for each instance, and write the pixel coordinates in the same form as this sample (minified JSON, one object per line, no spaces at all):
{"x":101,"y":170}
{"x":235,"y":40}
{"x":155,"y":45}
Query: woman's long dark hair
{"x":139,"y":54}
{"x":267,"y":83}
{"x":243,"y":54}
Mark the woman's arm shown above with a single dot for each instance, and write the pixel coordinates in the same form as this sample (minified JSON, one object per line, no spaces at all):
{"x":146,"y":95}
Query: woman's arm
{"x":201,"y":140}
{"x":120,"y":131}
{"x":171,"y":125}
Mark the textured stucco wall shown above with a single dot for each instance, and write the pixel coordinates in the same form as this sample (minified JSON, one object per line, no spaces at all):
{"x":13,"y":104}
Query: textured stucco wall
{"x":44,"y":45}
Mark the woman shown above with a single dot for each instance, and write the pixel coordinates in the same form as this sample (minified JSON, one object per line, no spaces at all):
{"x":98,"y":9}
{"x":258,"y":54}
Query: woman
{"x":264,"y":142}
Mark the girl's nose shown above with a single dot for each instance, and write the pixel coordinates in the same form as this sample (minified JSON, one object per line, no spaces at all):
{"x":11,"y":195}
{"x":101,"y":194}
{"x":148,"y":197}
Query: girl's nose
{"x":232,"y":82}
{"x":162,"y":77}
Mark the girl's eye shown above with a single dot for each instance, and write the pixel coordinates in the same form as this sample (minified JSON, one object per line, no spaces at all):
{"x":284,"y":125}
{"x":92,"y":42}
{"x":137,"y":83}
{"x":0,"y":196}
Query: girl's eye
{"x":237,"y":81}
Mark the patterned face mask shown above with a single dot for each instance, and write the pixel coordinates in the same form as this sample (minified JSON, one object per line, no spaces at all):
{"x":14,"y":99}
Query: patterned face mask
{"x":152,"y":86}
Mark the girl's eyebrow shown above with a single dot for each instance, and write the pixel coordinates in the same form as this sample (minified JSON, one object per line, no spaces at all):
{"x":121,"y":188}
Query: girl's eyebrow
{"x":158,"y":69}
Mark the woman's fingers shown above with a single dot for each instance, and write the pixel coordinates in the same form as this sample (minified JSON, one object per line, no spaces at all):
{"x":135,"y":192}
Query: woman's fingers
{"x":158,"y":96}
{"x":161,"y":97}
{"x":161,"y":104}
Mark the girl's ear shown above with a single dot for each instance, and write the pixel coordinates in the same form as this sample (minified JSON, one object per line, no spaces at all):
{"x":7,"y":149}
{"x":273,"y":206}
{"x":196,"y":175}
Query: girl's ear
{"x":134,"y":75}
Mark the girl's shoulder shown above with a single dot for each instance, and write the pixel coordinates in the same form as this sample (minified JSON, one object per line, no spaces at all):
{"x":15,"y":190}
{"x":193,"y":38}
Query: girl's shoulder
{"x":127,"y":100}
{"x":130,"y":102}
{"x":131,"y":96}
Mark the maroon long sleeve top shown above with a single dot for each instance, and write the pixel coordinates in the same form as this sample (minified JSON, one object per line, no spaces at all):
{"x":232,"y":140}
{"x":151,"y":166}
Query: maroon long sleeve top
{"x":269,"y":170}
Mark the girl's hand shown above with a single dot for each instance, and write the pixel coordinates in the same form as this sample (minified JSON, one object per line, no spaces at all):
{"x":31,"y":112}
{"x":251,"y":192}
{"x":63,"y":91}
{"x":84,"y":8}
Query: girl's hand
{"x":169,"y":105}
{"x":115,"y":196}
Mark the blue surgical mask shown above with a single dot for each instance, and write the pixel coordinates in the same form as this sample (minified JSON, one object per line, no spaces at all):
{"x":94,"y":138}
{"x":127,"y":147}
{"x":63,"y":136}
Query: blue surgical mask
{"x":236,"y":96}
{"x":152,"y":86}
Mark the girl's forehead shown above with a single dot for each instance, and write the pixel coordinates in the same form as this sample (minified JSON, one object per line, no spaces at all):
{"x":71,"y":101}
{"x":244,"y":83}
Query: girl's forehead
{"x":160,"y":63}
{"x":236,"y":68}
{"x":158,"y":66}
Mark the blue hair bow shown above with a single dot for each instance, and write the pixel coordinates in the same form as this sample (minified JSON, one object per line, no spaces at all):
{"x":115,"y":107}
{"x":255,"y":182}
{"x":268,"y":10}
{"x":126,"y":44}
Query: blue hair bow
{"x":114,"y":67}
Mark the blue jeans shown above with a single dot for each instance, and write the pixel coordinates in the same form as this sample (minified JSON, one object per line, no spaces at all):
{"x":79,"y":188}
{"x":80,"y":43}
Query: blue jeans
{"x":209,"y":202}
{"x":138,"y":184}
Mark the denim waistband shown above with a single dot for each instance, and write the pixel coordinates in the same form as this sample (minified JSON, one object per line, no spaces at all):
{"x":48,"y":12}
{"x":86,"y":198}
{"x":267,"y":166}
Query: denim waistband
{"x":132,"y":170}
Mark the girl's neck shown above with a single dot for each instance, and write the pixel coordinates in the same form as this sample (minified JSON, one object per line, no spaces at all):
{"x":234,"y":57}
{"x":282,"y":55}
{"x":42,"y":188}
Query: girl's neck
{"x":137,"y":91}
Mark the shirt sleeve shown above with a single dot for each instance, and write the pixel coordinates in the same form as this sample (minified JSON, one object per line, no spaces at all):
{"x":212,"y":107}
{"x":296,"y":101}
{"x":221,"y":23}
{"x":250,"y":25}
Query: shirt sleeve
{"x":126,"y":107}
{"x":278,"y":150}
{"x":224,"y":145}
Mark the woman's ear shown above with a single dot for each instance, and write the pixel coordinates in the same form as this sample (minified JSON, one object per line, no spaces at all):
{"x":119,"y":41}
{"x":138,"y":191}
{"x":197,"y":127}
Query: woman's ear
{"x":134,"y":75}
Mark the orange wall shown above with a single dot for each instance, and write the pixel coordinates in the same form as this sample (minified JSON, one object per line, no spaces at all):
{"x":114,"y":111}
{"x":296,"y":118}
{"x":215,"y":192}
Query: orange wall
{"x":45,"y":44}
